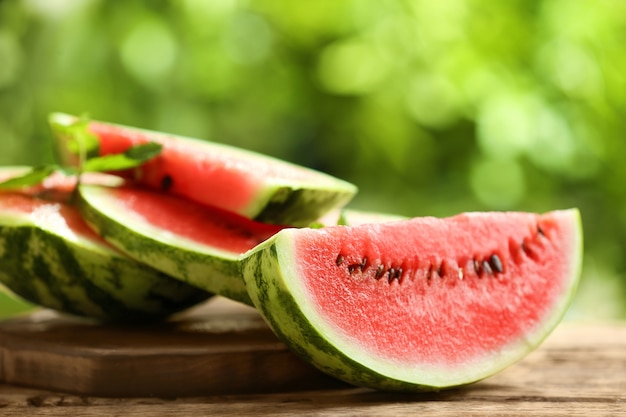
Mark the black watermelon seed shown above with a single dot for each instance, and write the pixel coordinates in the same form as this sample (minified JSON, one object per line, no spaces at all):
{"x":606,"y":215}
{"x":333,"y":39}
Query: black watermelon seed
{"x":364,"y":263}
{"x":540,"y":231}
{"x":339,"y":259}
{"x":166,"y":182}
{"x":532,"y":254}
{"x":477,"y":267}
{"x":429,"y":274}
{"x":515,"y":251}
{"x":392,"y":274}
{"x":487,"y":268}
{"x":398,"y":273}
{"x":496,"y":263}
{"x":353,"y":268}
{"x":380,"y":271}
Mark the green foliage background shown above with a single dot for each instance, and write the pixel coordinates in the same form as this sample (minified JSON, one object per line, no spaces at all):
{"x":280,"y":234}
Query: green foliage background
{"x":430,"y":107}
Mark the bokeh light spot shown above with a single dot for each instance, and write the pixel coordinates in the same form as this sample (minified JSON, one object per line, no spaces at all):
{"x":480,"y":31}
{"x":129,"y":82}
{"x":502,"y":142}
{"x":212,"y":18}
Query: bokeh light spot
{"x":351,"y":67}
{"x":10,"y":59}
{"x":201,"y":11}
{"x":571,"y":68}
{"x":432,"y":100}
{"x":53,"y":9}
{"x":247,"y":38}
{"x":505,"y":126}
{"x":149,"y":51}
{"x":498,"y":183}
{"x":553,"y":146}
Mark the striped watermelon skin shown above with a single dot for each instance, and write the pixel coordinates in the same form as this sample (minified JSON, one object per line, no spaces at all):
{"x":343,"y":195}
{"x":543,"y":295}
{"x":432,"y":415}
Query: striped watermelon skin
{"x":280,"y":291}
{"x":195,"y":264}
{"x":49,"y":257}
{"x":282,"y":312}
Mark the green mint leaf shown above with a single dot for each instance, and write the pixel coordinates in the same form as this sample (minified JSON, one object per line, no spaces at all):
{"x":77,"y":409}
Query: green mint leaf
{"x":132,"y":158}
{"x":33,"y":177}
{"x":113,"y":162}
{"x":144,"y":152}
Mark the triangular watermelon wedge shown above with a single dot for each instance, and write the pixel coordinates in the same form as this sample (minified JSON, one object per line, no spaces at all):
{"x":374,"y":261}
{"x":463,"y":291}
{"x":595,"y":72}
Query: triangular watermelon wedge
{"x":196,"y":244}
{"x":256,"y":186}
{"x":418,"y":304}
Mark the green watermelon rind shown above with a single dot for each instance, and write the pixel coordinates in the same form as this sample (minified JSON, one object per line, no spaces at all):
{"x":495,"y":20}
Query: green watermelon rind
{"x":285,"y":201}
{"x":297,"y":206}
{"x":277,"y":293}
{"x":48,"y":265}
{"x":190,"y":262}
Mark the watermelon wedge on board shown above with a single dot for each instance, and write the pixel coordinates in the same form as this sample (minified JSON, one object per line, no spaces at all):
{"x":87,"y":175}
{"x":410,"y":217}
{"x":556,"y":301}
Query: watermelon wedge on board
{"x":50,"y":257}
{"x":250,"y":184}
{"x":420,"y":304}
{"x":197,"y":244}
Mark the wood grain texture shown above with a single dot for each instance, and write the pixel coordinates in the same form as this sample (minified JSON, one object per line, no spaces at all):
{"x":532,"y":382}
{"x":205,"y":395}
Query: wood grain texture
{"x":579,"y":370}
{"x":222,"y":347}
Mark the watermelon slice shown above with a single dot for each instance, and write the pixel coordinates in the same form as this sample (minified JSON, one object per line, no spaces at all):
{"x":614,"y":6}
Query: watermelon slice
{"x":252,"y":185}
{"x":197,"y":244}
{"x":50,"y":257}
{"x":418,"y":304}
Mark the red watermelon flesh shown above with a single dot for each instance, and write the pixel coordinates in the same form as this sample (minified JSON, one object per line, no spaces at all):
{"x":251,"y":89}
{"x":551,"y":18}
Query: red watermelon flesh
{"x":234,"y":187}
{"x":419,"y":303}
{"x":490,"y":309}
{"x":182,"y":218}
{"x":40,"y":209}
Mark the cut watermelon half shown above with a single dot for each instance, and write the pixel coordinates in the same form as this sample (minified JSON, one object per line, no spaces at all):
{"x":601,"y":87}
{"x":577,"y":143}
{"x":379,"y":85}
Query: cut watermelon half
{"x":418,"y":304}
{"x":250,"y":184}
{"x":50,"y":257}
{"x":197,"y":244}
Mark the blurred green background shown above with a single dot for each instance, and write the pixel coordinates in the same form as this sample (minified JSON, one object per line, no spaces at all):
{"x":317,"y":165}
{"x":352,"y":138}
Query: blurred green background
{"x":430,"y":107}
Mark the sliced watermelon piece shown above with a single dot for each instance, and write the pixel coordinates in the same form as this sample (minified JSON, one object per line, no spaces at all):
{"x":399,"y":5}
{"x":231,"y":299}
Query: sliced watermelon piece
{"x":197,"y":244}
{"x":50,"y":257}
{"x":418,"y":304}
{"x":247,"y":183}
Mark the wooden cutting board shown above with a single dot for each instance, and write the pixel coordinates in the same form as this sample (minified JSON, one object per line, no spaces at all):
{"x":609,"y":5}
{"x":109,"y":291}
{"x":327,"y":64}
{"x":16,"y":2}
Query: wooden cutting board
{"x":219,"y":347}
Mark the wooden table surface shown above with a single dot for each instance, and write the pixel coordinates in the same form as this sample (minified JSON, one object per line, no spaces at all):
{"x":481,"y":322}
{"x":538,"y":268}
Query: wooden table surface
{"x":579,"y":370}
